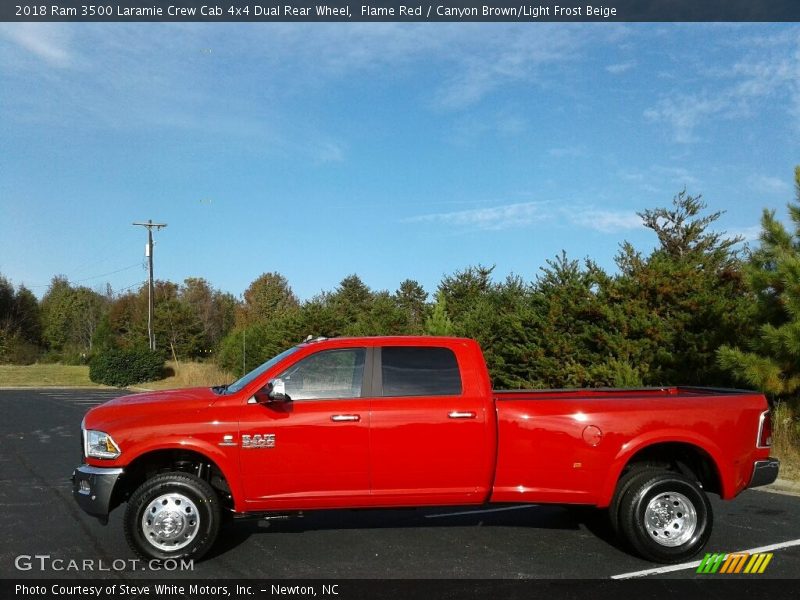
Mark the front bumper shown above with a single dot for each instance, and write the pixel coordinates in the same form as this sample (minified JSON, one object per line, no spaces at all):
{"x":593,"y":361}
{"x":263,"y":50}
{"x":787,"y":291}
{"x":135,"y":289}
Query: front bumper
{"x":764,"y":472}
{"x":93,"y":489}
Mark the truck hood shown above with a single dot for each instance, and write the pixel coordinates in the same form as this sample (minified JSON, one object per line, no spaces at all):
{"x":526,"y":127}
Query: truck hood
{"x":135,"y":406}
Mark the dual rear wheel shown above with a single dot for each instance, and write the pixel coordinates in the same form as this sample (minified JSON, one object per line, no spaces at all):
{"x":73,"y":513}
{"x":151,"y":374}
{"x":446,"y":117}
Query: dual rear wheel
{"x":664,"y":516}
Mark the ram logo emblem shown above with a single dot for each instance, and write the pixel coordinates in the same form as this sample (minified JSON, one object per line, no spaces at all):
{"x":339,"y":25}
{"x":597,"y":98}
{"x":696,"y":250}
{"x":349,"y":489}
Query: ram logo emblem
{"x":258,"y":440}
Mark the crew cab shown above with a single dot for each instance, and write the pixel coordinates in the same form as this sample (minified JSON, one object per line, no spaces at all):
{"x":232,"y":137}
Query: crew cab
{"x":413,"y":421}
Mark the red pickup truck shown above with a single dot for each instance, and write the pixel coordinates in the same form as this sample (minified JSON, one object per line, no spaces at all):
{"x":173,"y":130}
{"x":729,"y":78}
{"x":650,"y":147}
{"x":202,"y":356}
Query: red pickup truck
{"x":413,"y":421}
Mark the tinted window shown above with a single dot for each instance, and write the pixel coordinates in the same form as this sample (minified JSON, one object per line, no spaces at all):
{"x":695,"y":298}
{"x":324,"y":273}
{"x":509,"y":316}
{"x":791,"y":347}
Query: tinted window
{"x":240,"y":383}
{"x":329,"y":374}
{"x":412,"y":371}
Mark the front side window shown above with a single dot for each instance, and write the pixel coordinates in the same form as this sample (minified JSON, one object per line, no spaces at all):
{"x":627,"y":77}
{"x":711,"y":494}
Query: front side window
{"x":327,"y":374}
{"x":419,"y":371}
{"x":240,"y":383}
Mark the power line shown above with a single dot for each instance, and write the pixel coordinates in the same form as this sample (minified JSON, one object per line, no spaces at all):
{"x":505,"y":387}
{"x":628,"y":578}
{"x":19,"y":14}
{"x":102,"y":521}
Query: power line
{"x":70,"y":280}
{"x":139,"y":283}
{"x":138,"y":264}
{"x":101,"y":252}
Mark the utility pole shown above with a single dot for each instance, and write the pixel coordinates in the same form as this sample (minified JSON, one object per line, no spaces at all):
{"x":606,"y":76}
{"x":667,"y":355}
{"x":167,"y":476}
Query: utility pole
{"x":150,"y":292}
{"x":244,"y":344}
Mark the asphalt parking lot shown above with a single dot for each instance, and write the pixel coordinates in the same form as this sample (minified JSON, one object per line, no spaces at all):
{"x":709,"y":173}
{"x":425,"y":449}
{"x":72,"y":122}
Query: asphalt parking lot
{"x":39,"y":447}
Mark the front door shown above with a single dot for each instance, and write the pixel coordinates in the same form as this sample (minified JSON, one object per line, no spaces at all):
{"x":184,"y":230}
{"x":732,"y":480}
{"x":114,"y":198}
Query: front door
{"x":311,"y":450}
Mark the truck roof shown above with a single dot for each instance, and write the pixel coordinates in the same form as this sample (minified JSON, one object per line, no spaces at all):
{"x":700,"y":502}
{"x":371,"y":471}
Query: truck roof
{"x":380,"y":340}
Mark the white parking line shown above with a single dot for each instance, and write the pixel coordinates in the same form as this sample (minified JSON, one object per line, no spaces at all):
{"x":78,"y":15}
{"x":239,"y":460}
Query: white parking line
{"x":475,"y":512}
{"x":72,"y":399}
{"x":696,"y":563}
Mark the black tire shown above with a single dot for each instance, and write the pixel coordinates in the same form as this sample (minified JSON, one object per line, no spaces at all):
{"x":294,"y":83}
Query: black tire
{"x":664,"y":516}
{"x":183,"y":523}
{"x":622,"y":487}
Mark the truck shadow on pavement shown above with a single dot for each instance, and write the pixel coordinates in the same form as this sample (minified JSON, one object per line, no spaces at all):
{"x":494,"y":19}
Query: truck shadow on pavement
{"x":237,"y":531}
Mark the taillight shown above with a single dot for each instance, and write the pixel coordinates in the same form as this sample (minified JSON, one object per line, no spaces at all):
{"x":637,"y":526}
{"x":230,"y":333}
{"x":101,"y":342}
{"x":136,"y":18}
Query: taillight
{"x":765,"y":430}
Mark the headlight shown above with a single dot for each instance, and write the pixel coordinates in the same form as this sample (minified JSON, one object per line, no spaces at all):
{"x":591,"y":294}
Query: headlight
{"x":98,"y":444}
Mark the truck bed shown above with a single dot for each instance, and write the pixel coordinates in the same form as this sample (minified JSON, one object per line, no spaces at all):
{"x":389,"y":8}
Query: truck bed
{"x":645,"y":392}
{"x":570,"y":445}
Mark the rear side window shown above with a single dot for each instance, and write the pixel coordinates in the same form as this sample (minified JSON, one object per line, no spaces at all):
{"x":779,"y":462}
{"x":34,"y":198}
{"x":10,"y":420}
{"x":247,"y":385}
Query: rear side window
{"x":419,"y":371}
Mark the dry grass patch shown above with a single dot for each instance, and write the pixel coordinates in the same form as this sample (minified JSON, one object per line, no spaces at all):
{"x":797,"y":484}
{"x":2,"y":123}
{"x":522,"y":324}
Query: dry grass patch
{"x":786,"y":441}
{"x":190,"y":374}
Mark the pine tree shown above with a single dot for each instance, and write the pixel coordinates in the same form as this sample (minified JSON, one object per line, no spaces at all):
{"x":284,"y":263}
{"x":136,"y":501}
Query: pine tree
{"x":685,"y":299}
{"x":772,"y":361}
{"x":410,"y":298}
{"x":439,"y":322}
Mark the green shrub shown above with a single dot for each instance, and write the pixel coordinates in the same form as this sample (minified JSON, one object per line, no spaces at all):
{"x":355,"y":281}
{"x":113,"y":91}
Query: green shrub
{"x":121,"y":368}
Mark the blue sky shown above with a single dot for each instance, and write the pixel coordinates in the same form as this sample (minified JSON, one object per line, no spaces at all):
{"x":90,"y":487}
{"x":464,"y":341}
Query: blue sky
{"x":388,"y":150}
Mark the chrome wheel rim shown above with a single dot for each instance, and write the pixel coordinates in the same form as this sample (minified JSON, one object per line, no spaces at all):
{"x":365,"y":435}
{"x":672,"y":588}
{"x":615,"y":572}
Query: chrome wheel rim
{"x":670,"y":519}
{"x":170,"y":522}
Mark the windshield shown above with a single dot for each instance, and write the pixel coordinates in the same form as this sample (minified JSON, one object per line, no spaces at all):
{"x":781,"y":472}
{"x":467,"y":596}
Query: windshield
{"x":240,"y":383}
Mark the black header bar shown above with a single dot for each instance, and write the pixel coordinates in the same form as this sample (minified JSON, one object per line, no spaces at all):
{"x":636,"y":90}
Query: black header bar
{"x":520,"y":11}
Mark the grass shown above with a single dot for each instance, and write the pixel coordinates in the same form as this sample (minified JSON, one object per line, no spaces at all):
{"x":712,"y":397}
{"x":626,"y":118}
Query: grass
{"x":785,"y":440}
{"x":189,"y":374}
{"x":43,"y":375}
{"x":790,"y":463}
{"x":178,"y":375}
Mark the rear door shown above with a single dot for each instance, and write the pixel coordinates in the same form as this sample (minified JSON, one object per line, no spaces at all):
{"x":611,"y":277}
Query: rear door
{"x":428,"y":429}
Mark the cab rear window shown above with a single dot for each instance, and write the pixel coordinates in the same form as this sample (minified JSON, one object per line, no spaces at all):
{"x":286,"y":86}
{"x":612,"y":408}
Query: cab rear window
{"x":419,"y":371}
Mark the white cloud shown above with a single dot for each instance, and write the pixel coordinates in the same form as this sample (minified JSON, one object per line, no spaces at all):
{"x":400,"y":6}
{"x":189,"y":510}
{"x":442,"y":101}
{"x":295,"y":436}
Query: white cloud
{"x":675,"y":176}
{"x":767,"y":76}
{"x":664,"y":180}
{"x":685,"y":113}
{"x":329,"y":152}
{"x":606,"y":221}
{"x":508,"y":216}
{"x":145,"y":76}
{"x":525,"y":214}
{"x":488,"y":58}
{"x":748,"y":234}
{"x":48,"y":42}
{"x":619,"y":68}
{"x":768,"y":185}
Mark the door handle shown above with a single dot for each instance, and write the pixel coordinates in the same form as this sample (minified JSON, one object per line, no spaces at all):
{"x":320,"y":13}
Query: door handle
{"x":457,"y":414}
{"x":340,"y":418}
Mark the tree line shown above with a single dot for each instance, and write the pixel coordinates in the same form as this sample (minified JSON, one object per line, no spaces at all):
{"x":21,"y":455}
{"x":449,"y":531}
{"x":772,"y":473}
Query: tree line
{"x":700,"y":308}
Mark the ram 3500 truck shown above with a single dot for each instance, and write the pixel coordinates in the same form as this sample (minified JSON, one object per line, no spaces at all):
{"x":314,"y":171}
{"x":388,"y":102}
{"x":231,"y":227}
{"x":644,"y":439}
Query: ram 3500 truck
{"x":413,"y":421}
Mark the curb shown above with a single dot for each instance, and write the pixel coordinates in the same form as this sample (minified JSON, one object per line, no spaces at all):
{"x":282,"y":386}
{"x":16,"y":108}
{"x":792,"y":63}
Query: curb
{"x":57,"y":387}
{"x":782,"y":486}
{"x":73,"y":387}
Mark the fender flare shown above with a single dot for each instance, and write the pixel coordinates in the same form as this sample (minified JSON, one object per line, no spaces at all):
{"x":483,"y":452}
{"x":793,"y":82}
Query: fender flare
{"x":205,"y":449}
{"x":639,"y":443}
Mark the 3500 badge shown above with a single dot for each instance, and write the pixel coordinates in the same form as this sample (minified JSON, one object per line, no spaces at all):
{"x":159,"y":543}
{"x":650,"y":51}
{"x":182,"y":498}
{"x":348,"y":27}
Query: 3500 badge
{"x":258,"y":440}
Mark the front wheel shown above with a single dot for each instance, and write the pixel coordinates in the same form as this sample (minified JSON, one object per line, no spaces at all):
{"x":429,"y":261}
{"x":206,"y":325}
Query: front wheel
{"x":665,"y":516}
{"x":173,"y":515}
